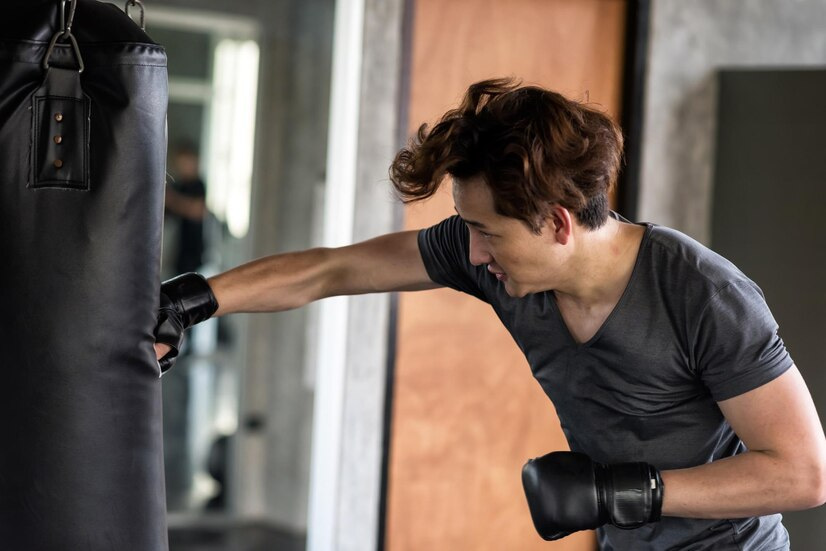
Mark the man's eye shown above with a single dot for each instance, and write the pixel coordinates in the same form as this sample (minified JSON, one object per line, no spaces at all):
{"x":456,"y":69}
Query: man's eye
{"x":479,"y":232}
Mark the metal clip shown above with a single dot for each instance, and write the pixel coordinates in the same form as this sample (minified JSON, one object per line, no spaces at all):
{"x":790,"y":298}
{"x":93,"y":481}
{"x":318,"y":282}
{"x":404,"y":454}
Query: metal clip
{"x":65,"y":33}
{"x":139,"y":4}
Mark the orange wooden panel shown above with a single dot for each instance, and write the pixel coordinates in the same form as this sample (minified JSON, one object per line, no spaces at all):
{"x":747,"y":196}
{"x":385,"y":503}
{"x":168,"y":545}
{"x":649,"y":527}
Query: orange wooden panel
{"x":467,"y":412}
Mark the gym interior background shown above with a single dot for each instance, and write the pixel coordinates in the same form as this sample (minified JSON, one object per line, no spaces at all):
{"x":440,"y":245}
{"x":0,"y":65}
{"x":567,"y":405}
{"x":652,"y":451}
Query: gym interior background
{"x":379,"y":422}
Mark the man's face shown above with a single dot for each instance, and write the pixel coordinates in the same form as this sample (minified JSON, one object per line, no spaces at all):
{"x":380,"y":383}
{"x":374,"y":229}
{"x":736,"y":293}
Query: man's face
{"x":186,"y":166}
{"x":522,"y":260}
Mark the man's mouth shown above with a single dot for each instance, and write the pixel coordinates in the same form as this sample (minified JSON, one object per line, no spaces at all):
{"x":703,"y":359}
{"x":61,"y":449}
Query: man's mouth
{"x":501,"y":276}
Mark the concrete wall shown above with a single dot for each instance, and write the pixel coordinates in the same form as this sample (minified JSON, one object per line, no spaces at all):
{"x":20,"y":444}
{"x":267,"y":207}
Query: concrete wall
{"x":689,"y":41}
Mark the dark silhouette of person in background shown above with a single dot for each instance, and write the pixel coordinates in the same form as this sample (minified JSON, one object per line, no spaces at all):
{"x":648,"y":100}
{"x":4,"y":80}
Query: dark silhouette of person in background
{"x":186,"y":201}
{"x":186,"y":213}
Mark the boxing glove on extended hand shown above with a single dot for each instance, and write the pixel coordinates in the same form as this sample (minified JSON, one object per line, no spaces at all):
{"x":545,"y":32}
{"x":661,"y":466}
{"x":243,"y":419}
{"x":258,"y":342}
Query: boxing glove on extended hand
{"x":568,"y":492}
{"x":185,"y":300}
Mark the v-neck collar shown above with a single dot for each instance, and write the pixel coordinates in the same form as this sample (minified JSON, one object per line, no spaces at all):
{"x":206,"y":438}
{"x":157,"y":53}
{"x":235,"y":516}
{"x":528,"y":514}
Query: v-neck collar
{"x":618,"y":306}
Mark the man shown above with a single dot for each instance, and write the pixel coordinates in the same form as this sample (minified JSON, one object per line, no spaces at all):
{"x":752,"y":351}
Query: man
{"x":186,"y":201}
{"x":689,"y":424}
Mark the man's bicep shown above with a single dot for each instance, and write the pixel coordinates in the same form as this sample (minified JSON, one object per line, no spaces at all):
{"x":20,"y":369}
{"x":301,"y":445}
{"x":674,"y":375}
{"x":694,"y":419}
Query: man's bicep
{"x":778,"y":417}
{"x":390,"y":262}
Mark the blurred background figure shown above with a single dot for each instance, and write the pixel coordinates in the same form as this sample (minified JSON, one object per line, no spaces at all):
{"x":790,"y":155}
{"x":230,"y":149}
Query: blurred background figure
{"x":184,"y":220}
{"x":186,"y":205}
{"x":213,"y":64}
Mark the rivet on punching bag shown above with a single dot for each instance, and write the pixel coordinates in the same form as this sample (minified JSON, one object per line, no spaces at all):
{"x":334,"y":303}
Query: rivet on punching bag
{"x":83,"y":97}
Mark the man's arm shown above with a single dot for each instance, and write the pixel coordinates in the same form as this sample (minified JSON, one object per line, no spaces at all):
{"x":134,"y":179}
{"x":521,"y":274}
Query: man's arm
{"x":784,"y":468}
{"x":391,"y":262}
{"x":191,"y":208}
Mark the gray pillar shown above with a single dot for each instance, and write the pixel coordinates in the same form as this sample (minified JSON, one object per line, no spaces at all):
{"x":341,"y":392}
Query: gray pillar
{"x":369,"y":315}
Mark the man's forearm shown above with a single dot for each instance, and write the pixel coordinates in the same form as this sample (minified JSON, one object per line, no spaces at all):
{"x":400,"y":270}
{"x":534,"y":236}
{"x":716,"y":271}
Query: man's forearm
{"x":191,"y":208}
{"x":274,"y":283}
{"x":751,"y":484}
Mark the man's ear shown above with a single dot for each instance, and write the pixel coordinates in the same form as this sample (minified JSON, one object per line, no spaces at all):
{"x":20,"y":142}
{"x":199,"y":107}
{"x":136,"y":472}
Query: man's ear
{"x":560,"y":223}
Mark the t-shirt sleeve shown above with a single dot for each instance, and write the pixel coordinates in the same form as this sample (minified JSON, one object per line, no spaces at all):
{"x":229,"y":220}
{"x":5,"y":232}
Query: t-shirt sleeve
{"x":445,"y":252}
{"x":737,"y":347}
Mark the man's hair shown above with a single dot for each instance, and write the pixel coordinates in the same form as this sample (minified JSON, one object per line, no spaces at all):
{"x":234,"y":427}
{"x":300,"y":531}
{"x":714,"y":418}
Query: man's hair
{"x":185,"y":147}
{"x":532,"y":147}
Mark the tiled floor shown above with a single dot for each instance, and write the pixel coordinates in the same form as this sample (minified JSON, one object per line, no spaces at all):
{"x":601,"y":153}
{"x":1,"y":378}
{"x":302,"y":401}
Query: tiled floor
{"x":241,"y":538}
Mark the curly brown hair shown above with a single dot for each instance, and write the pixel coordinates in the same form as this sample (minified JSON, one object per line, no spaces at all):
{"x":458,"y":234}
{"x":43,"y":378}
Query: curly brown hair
{"x":534,"y":148}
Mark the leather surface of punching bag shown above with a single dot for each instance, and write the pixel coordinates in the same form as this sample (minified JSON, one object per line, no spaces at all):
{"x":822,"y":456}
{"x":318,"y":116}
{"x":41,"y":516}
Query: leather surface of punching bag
{"x":82,"y":167}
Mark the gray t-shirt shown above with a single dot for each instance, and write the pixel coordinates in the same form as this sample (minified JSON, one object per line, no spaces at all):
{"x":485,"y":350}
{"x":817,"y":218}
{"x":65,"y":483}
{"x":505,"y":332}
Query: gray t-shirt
{"x":689,"y":330}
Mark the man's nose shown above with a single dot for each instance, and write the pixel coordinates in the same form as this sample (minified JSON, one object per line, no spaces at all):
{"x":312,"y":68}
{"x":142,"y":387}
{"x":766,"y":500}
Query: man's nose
{"x":478,"y":253}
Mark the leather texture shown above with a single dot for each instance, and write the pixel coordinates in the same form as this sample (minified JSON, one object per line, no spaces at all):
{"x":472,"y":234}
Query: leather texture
{"x":59,"y":153}
{"x":186,"y":300}
{"x":627,"y":493}
{"x":169,"y":331}
{"x":568,"y":492}
{"x":562,"y":494}
{"x":81,"y":462}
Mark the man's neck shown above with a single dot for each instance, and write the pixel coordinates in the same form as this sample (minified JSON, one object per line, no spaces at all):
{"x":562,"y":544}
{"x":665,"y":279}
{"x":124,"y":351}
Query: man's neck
{"x":601,"y":266}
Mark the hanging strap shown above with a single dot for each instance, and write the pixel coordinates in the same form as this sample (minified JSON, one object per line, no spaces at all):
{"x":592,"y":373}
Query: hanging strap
{"x":59,"y":156}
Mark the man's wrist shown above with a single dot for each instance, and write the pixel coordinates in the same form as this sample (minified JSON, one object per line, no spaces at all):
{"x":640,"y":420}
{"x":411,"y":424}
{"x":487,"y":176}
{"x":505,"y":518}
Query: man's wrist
{"x":632,"y":493}
{"x":192,"y":297}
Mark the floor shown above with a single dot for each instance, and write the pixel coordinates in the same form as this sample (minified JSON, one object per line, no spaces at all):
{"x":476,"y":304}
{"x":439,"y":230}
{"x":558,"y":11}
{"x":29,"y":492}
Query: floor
{"x":239,"y":538}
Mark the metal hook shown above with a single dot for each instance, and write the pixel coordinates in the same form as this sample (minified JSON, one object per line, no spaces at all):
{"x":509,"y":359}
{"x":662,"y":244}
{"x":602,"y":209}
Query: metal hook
{"x":127,"y":9}
{"x":63,"y":16}
{"x":66,"y":24}
{"x":65,"y":33}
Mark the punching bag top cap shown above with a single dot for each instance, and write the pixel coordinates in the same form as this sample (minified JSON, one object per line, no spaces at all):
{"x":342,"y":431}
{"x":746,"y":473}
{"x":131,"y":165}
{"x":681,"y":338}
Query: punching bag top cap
{"x":95,"y":22}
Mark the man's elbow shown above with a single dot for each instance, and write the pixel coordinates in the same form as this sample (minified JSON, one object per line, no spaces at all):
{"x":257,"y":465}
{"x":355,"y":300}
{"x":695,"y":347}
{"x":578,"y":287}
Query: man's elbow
{"x":812,"y":485}
{"x":819,"y":497}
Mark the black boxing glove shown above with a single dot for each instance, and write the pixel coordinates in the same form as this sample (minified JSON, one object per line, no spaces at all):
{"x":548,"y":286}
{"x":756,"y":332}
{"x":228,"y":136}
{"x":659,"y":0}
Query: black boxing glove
{"x":568,"y":492}
{"x":185,"y":300}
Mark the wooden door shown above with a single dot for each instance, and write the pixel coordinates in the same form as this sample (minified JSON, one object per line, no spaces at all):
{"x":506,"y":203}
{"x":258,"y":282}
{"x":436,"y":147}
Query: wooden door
{"x":467,"y":412}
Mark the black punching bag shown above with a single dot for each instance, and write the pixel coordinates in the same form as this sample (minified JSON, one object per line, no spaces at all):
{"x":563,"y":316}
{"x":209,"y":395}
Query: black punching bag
{"x":82,"y":165}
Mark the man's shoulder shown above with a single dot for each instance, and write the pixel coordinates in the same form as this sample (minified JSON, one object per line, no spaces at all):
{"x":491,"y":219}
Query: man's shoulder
{"x":444,"y":251}
{"x":679,"y":256}
{"x":672,"y":254}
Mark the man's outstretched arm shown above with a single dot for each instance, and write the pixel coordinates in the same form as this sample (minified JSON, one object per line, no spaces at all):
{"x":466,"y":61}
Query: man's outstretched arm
{"x":390,"y":262}
{"x":280,"y":282}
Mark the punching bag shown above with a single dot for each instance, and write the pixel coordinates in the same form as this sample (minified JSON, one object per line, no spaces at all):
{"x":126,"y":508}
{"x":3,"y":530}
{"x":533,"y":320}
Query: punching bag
{"x":83,"y":97}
